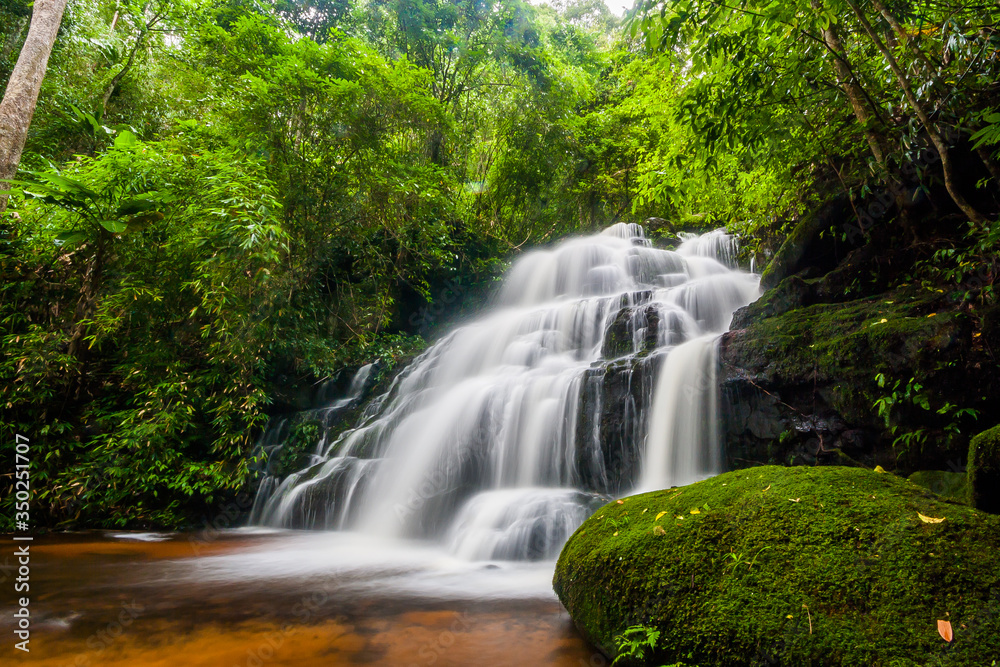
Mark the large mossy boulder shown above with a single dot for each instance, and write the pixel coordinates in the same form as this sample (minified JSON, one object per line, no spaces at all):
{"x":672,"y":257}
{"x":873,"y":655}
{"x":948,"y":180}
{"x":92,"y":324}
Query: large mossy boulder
{"x":789,"y":566}
{"x":984,"y":471}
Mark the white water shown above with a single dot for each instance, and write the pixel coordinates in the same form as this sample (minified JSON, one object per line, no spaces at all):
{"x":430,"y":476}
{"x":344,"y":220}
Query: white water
{"x":486,"y":444}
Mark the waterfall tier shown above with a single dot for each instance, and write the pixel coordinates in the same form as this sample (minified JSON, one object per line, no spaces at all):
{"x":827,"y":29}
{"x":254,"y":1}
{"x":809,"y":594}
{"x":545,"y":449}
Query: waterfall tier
{"x":593,"y":375}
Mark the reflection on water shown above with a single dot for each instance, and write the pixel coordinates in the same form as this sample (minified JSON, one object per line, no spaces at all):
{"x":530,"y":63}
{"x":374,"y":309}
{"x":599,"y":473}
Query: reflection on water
{"x":253,"y":598}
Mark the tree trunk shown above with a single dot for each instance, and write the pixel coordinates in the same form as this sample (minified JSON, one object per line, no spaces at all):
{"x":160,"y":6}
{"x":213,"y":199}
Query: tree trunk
{"x":905,"y":36}
{"x":934,"y":70}
{"x":19,"y":100}
{"x":939,"y":143}
{"x":855,"y":95}
{"x":109,"y":91}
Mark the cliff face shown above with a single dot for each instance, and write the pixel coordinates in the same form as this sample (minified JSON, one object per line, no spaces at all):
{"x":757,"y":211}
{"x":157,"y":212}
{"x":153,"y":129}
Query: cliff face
{"x":814,"y":382}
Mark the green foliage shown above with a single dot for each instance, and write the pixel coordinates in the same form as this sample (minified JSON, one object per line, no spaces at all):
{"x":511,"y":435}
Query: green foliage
{"x":216,"y":194}
{"x":968,"y":269}
{"x":634,"y":642}
{"x":913,"y":394}
{"x":213,"y":196}
{"x":144,"y":365}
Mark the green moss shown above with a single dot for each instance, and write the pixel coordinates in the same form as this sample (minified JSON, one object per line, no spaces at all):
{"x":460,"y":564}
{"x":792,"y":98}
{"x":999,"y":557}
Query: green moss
{"x":789,"y":256}
{"x":952,"y":485}
{"x":848,"y":344}
{"x":790,"y":566}
{"x":984,"y":471}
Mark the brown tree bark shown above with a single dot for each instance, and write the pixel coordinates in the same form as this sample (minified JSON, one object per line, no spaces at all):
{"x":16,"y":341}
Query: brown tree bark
{"x":934,"y":70}
{"x":932,"y":131}
{"x":19,"y":100}
{"x":855,"y":95}
{"x":904,"y":36}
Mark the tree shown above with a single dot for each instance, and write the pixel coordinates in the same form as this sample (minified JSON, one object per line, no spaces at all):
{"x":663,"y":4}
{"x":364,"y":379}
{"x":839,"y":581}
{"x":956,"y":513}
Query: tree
{"x":19,"y":100}
{"x":905,"y":85}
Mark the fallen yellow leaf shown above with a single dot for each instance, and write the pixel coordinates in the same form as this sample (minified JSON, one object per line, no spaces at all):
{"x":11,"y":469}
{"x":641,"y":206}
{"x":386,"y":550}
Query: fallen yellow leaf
{"x":795,"y":500}
{"x":621,"y":502}
{"x":768,"y":487}
{"x":932,"y":315}
{"x":879,"y":469}
{"x":658,"y":516}
{"x":930,"y":519}
{"x":944,"y":629}
{"x":695,"y":511}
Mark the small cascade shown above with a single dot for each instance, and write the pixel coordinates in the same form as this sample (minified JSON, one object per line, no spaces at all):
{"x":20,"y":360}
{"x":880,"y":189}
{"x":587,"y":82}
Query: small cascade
{"x":594,"y":375}
{"x":281,"y":433}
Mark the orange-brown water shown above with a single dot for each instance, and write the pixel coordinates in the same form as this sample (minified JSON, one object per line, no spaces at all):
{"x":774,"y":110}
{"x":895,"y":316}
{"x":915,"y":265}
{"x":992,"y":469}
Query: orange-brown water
{"x":99,"y":600}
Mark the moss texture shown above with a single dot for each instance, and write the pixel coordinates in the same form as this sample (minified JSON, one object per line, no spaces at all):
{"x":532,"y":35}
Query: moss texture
{"x":952,"y":485}
{"x":804,"y":247}
{"x":789,"y":566}
{"x":984,"y":471}
{"x":900,"y":334}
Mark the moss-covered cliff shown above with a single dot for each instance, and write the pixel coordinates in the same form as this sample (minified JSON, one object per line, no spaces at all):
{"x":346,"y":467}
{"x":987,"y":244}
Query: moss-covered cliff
{"x":801,"y":379}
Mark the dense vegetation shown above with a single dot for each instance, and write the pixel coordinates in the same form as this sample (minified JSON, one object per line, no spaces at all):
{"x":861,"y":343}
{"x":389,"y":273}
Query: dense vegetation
{"x":219,"y":198}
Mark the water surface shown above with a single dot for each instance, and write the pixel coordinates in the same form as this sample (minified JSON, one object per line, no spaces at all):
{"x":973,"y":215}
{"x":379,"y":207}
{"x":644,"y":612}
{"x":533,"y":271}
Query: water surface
{"x":251,"y":598}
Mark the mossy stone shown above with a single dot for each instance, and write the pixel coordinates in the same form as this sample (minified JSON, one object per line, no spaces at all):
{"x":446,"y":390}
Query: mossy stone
{"x":789,"y":566}
{"x":984,"y":471}
{"x":805,"y":247}
{"x":953,"y":485}
{"x":845,"y":345}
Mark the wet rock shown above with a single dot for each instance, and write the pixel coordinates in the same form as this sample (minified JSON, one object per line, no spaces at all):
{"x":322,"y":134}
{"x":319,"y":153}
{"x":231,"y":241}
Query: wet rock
{"x":611,"y":426}
{"x":799,"y":381}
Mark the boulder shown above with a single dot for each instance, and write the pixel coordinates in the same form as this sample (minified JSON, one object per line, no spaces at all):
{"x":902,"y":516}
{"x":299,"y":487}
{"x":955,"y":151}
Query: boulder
{"x":805,"y":248}
{"x":799,"y":382}
{"x":789,"y":566}
{"x":984,"y":471}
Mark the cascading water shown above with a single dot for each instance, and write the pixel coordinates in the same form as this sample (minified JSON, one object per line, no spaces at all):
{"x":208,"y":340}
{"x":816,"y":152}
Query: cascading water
{"x":594,"y":375}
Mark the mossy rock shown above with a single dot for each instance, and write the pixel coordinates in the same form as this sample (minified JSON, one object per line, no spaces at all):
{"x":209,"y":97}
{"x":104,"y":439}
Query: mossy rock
{"x":789,"y":566}
{"x":843,"y":346}
{"x":952,"y":485}
{"x":984,"y":471}
{"x":805,"y":247}
{"x":792,"y":293}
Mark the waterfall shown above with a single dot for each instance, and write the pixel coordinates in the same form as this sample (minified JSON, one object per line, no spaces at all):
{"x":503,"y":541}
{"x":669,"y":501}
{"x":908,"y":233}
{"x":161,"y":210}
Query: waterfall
{"x":593,"y":375}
